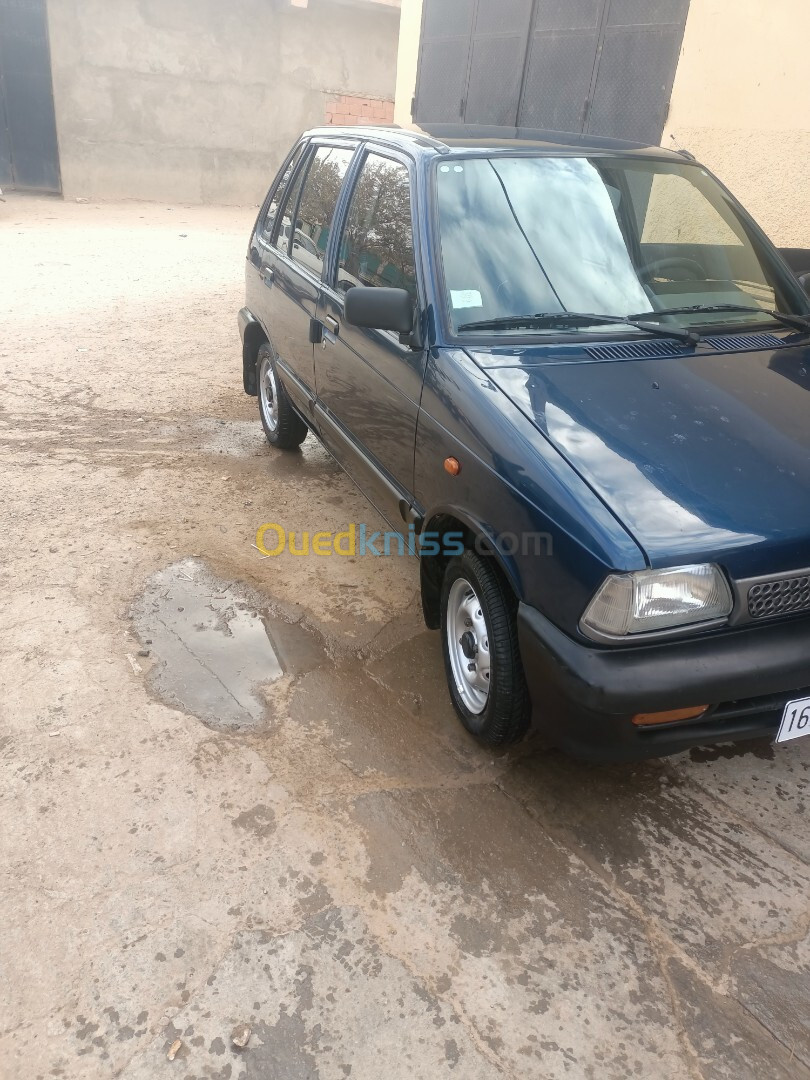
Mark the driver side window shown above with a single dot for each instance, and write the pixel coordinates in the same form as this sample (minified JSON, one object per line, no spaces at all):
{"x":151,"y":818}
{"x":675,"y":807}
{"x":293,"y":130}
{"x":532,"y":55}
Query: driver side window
{"x":377,"y":244}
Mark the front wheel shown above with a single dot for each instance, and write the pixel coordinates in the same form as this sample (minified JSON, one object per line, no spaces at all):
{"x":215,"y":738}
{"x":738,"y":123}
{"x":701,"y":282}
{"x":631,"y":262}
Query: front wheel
{"x":481,"y":654}
{"x":282,"y":425}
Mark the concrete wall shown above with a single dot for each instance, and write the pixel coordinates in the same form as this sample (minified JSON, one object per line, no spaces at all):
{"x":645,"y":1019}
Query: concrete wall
{"x":410,"y":30}
{"x":199,"y":100}
{"x":740,"y":104}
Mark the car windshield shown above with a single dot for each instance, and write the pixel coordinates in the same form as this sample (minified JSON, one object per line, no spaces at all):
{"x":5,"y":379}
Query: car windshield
{"x":524,"y":236}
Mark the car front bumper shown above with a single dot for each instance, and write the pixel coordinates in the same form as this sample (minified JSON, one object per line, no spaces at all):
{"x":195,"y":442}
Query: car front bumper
{"x":584,"y":698}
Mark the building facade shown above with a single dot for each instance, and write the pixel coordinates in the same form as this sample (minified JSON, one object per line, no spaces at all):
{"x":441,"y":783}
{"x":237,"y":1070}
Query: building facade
{"x":191,"y":101}
{"x":720,"y":79}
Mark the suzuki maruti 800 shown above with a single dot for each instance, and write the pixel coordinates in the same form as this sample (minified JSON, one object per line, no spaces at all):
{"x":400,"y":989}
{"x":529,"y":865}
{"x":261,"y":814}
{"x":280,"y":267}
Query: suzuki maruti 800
{"x":585,"y":363}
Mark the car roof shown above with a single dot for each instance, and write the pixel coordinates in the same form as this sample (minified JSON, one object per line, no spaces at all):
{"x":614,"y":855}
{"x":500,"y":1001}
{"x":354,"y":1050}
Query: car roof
{"x":448,"y":139}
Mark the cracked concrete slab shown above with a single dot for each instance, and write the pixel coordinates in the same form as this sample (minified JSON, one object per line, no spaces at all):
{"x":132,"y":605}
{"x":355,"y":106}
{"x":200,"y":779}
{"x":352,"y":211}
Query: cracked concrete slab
{"x":779,"y":787}
{"x":773,"y":983}
{"x":323,"y":1002}
{"x":335,"y":862}
{"x":708,"y":877}
{"x":723,"y":1041}
{"x":550,"y":968}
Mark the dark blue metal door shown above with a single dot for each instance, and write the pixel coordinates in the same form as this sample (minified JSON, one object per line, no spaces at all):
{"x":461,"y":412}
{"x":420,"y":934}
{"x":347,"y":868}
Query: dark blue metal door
{"x":29,"y":155}
{"x":600,"y":66}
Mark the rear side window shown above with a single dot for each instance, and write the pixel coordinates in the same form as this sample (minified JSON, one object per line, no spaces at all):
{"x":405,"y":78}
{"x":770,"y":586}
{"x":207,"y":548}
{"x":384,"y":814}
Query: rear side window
{"x":309,"y":233}
{"x":277,"y":197}
{"x":377,"y":244}
{"x":283,"y":227}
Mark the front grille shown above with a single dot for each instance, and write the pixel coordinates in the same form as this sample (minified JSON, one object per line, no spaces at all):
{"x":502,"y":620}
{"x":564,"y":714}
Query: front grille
{"x":768,"y":705}
{"x":785,"y":597}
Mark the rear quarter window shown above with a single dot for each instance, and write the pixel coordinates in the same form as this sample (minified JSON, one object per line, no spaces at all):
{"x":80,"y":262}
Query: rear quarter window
{"x":278,"y":191}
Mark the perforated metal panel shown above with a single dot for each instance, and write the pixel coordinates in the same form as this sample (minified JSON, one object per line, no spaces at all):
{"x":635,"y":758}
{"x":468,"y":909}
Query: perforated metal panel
{"x":444,"y":60}
{"x":447,"y":18}
{"x":558,"y":79}
{"x":604,"y":67}
{"x":568,"y":14}
{"x":634,"y":82}
{"x":494,"y":84}
{"x":503,"y":17}
{"x":442,"y":81}
{"x":648,"y":12}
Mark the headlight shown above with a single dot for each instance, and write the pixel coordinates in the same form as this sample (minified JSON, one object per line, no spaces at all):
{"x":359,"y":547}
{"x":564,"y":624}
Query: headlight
{"x":657,"y":600}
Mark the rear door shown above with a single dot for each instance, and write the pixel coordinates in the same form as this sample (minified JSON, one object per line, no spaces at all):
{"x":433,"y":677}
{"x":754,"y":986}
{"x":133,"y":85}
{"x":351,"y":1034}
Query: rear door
{"x":292,"y":254}
{"x":259,"y":273}
{"x":369,"y":384}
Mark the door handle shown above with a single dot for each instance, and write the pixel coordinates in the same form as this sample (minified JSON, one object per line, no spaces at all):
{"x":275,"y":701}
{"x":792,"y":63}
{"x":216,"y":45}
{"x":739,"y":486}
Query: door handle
{"x":268,"y":275}
{"x":332,"y":325}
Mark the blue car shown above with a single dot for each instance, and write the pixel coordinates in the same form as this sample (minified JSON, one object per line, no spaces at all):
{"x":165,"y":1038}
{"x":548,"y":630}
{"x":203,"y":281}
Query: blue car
{"x":578,"y":373}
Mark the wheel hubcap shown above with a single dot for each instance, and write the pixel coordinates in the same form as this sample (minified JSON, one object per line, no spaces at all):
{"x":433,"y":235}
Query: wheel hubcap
{"x":468,"y":646}
{"x":268,"y":393}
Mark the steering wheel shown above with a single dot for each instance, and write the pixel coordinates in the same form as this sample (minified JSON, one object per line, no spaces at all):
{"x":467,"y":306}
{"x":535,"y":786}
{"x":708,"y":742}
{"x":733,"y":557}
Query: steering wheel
{"x":692,"y":267}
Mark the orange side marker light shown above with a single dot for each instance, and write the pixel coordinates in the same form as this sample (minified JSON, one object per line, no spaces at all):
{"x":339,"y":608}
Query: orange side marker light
{"x":647,"y":718}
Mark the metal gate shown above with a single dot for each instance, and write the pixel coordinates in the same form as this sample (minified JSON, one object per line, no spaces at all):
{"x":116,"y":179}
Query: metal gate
{"x":600,"y":66}
{"x":29,"y":156}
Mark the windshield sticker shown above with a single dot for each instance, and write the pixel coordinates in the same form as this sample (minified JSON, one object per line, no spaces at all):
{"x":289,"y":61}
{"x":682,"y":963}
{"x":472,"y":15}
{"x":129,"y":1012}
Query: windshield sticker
{"x":465,"y":298}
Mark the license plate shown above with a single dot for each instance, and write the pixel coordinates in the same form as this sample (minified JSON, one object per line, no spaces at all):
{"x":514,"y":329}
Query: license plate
{"x":795,"y":721}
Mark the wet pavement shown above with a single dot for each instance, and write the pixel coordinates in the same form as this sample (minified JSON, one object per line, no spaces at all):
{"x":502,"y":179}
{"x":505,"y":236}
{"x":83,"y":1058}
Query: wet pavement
{"x":211,"y":648}
{"x":235,"y":799}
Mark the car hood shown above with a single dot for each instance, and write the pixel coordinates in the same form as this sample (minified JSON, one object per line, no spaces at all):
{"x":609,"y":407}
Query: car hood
{"x":701,"y":457}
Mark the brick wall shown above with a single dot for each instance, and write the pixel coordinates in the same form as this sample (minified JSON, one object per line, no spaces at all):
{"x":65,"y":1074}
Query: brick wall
{"x":347,"y":110}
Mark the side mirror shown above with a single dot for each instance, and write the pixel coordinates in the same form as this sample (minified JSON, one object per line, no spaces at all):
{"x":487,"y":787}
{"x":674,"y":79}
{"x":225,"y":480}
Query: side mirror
{"x":382,"y":309}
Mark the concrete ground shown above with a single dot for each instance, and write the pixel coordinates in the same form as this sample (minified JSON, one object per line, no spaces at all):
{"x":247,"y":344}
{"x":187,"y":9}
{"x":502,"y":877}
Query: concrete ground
{"x":327,"y":859}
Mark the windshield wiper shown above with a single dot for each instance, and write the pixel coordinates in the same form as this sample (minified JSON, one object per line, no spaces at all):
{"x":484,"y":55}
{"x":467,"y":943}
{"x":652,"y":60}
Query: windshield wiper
{"x":551,"y":319}
{"x":797,"y":322}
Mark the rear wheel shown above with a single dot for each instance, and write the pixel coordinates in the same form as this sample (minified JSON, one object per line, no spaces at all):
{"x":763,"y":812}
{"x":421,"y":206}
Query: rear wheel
{"x":282,"y":425}
{"x":481,"y":654}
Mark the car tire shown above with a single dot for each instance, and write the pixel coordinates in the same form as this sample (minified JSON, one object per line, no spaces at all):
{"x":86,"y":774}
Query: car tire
{"x":282,"y":425}
{"x":481,"y":653}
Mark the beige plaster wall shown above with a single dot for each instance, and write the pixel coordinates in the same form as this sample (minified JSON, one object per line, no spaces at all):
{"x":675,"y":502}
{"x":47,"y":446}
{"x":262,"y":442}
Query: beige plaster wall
{"x":740,"y":104}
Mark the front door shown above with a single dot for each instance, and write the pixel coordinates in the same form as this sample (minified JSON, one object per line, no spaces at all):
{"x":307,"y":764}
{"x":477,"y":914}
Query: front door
{"x":292,"y":263}
{"x":369,"y":384}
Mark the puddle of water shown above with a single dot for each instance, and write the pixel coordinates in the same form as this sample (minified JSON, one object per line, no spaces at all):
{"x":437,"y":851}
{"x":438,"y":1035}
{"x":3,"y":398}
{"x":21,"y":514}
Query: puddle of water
{"x":213,"y":649}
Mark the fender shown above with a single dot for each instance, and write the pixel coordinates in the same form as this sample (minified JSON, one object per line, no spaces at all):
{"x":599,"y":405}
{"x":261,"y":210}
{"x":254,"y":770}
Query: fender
{"x":252,"y":335}
{"x":448,"y":519}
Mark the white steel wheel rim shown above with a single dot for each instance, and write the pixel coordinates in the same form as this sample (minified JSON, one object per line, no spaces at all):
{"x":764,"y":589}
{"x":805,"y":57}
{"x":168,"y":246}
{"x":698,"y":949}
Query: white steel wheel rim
{"x":268,"y":393}
{"x":468,"y":646}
